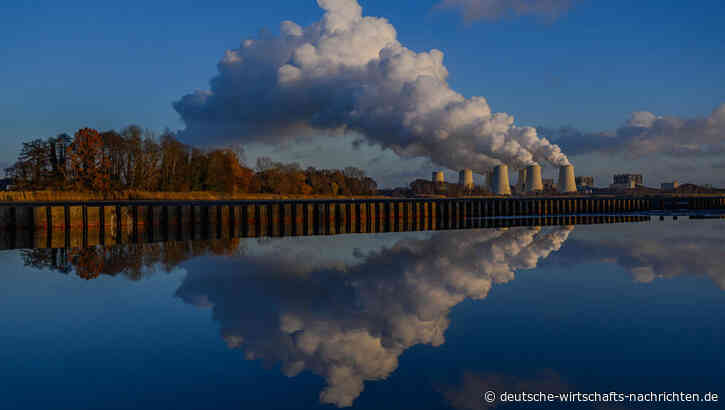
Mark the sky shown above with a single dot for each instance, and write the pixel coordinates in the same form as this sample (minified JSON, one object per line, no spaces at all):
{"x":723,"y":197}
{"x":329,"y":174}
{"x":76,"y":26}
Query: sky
{"x":585,"y":65}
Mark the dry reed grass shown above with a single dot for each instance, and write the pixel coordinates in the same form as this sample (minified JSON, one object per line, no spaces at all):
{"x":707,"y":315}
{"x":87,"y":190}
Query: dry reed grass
{"x":48,"y":196}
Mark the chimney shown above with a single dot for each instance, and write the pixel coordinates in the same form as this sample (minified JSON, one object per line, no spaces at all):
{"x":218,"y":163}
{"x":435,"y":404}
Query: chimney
{"x":566,"y":179}
{"x":521,"y":186}
{"x":533,"y":179}
{"x":465,"y":178}
{"x":500,"y":180}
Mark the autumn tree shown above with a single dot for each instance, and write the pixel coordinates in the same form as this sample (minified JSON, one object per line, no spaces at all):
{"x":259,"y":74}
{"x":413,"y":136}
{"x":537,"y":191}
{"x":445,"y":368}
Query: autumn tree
{"x":90,"y":167}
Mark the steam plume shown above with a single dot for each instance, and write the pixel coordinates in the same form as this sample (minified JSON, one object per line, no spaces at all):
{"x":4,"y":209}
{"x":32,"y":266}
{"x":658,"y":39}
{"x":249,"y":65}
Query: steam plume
{"x":349,"y":73}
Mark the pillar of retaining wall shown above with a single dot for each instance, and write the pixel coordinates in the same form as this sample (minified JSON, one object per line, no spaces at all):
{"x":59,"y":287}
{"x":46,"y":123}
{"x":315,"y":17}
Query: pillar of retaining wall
{"x":433,"y":210}
{"x":274,"y":214}
{"x":399,"y":216}
{"x":389,"y":209}
{"x":340,"y":219}
{"x":261,"y":219}
{"x":330,"y":212}
{"x":361,"y":216}
{"x":226,"y":221}
{"x":235,"y":215}
{"x":286,"y":219}
{"x":450,"y":214}
{"x":319,"y":219}
{"x":423,"y":216}
{"x":307,"y":218}
{"x":372,"y":217}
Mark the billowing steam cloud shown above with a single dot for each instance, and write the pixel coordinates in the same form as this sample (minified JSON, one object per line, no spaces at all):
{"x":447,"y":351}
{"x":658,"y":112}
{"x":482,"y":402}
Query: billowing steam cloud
{"x":495,"y":9}
{"x":645,"y":133}
{"x":350,"y":323}
{"x":349,"y":73}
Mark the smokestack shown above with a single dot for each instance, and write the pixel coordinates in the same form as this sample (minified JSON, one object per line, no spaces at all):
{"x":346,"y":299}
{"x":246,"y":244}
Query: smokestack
{"x":500,"y":180}
{"x":521,"y":185}
{"x":533,"y":179}
{"x":566,"y":179}
{"x":438,"y":177}
{"x":465,"y":178}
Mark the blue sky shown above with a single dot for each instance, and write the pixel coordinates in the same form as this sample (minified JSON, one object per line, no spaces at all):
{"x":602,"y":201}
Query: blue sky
{"x":82,"y":63}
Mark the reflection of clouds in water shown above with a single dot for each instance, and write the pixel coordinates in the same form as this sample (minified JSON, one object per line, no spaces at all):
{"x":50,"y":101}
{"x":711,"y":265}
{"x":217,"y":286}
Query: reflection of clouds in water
{"x":351,"y":323}
{"x":467,"y":395}
{"x":470,"y":391}
{"x":691,"y":249}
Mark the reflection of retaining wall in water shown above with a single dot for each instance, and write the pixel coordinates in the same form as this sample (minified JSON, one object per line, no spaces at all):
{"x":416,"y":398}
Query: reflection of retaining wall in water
{"x":60,"y":225}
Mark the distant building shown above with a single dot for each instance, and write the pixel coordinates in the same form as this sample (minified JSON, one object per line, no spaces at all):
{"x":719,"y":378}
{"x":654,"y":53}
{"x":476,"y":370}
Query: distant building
{"x":670,"y":186}
{"x":6,"y":184}
{"x":548,"y":184}
{"x":584,"y":182}
{"x":629,"y":179}
{"x":625,"y":185}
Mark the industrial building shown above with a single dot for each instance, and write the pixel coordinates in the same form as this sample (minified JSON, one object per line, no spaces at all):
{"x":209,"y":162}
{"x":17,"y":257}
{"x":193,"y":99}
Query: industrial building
{"x":629,"y":180}
{"x":438,"y":177}
{"x":627,"y":184}
{"x":584,"y":182}
{"x":670,"y":186}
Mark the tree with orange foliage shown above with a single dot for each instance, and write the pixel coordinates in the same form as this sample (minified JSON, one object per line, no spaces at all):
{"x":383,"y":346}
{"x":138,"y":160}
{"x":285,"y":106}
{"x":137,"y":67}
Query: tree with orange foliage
{"x":90,"y":167}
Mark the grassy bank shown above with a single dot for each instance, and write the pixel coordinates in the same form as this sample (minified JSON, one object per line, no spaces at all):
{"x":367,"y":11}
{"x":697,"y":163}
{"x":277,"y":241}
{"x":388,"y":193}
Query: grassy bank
{"x":32,"y":196}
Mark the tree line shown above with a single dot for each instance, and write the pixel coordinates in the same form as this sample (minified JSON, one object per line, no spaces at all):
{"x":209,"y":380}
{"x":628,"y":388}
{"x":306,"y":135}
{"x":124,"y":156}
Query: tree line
{"x":134,"y":159}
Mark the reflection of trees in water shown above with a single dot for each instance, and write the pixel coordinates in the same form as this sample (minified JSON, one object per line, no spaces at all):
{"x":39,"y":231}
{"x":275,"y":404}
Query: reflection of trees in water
{"x":133,"y":261}
{"x":350,"y":323}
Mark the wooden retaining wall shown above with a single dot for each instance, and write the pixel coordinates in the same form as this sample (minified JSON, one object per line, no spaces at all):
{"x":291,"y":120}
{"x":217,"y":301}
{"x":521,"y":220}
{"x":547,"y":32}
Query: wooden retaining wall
{"x":97,"y":223}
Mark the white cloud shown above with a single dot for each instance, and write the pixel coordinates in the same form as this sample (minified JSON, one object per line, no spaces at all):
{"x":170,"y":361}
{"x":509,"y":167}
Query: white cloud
{"x":473,"y":10}
{"x":348,"y":72}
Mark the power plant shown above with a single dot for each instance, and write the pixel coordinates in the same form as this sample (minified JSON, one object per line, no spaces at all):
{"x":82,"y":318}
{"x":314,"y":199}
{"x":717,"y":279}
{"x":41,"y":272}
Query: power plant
{"x":566,"y":179}
{"x":530,"y":180}
{"x":534,"y":182}
{"x":465,"y":178}
{"x":500,"y":180}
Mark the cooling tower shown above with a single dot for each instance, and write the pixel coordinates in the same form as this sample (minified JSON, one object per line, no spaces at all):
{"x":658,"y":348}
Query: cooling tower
{"x":566,"y":179}
{"x":522,"y":184}
{"x":438,"y":177}
{"x":500,"y":180}
{"x":465,"y":178}
{"x":533,"y":179}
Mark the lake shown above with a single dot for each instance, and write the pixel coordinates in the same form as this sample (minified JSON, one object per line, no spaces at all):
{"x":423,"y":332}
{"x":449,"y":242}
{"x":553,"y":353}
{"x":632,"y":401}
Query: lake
{"x":423,"y":320}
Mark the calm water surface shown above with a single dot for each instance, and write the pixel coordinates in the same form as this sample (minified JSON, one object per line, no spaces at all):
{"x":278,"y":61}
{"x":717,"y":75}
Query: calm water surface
{"x":424,"y":320}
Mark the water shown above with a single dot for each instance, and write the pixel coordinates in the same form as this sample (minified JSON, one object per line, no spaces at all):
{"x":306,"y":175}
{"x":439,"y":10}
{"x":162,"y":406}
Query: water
{"x":424,"y":320}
